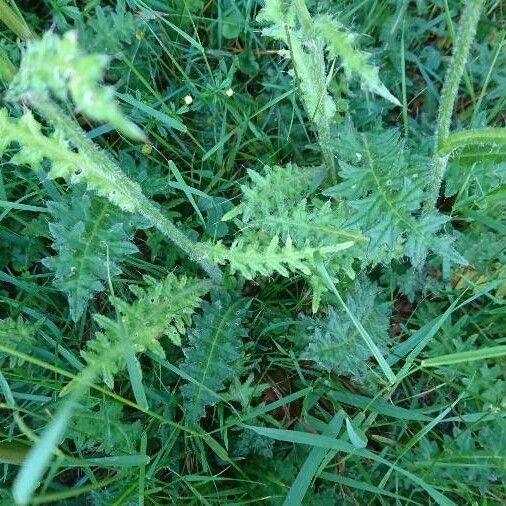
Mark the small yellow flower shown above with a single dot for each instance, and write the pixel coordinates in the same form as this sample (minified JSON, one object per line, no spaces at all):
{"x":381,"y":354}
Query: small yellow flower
{"x":229,"y":92}
{"x":146,"y":149}
{"x":139,"y":34}
{"x":188,"y":100}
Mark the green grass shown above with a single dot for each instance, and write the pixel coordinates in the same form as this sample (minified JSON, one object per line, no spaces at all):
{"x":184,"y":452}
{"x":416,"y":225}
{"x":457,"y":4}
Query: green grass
{"x":368,"y":374}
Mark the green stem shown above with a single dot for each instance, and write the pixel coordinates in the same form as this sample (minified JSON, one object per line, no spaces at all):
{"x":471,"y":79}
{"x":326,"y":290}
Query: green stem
{"x":467,"y":31}
{"x":321,"y":122}
{"x":493,"y":137}
{"x":451,"y":30}
{"x":14,"y":21}
{"x":317,"y":51}
{"x":466,"y":34}
{"x":105,"y":168}
{"x":303,"y":13}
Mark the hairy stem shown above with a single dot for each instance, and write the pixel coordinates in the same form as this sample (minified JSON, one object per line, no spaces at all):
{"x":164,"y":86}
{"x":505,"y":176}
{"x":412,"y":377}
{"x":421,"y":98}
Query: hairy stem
{"x":104,"y":164}
{"x":322,"y":124}
{"x":493,"y":137}
{"x":303,"y":13}
{"x":317,"y":51}
{"x":105,"y":168}
{"x":466,"y":34}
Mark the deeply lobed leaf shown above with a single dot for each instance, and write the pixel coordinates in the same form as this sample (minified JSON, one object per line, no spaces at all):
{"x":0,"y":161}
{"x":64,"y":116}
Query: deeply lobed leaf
{"x":56,"y":66}
{"x":36,"y":147}
{"x":384,"y":186}
{"x":252,"y":259}
{"x":215,"y":345}
{"x":91,"y":238}
{"x":336,"y":345}
{"x":163,"y":308}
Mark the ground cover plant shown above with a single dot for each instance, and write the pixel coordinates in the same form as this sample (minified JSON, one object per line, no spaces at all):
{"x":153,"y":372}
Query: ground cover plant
{"x":252,"y":252}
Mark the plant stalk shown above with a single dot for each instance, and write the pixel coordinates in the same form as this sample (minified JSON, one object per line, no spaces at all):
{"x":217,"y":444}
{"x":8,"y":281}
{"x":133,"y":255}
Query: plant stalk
{"x":303,"y":13}
{"x":317,"y":52}
{"x":493,"y":137}
{"x":106,"y":169}
{"x":465,"y":37}
{"x":110,"y":171}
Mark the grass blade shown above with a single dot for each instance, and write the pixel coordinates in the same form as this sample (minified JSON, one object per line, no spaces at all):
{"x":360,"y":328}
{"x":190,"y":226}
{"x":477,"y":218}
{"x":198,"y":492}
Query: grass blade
{"x":465,"y":356}
{"x":365,"y":335}
{"x":39,"y":456}
{"x":309,"y":469}
{"x":328,"y":443}
{"x":14,"y":21}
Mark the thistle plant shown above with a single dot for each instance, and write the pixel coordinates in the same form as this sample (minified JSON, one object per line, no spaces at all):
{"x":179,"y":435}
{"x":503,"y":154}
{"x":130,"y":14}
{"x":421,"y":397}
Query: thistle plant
{"x":314,"y":45}
{"x":322,"y":327}
{"x":465,"y":37}
{"x":72,"y":155}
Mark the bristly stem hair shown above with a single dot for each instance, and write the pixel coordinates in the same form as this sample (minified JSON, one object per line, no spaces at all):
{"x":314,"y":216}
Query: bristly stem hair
{"x":317,"y":52}
{"x":142,"y":204}
{"x":103,"y":167}
{"x":466,"y":34}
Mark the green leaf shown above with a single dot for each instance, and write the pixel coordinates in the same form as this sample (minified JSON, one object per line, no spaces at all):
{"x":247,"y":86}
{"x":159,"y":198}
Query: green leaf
{"x":387,"y":371}
{"x":34,"y":147}
{"x":13,"y":453}
{"x":335,"y":343}
{"x":163,"y":308}
{"x":278,"y":201}
{"x":310,"y":467}
{"x":232,"y":25}
{"x":490,"y":138}
{"x":340,"y":44}
{"x":215,"y":345}
{"x":56,"y":66}
{"x":357,"y":440}
{"x":383,"y":183}
{"x":92,"y":238}
{"x":17,"y":334}
{"x":329,"y":443}
{"x":250,"y":259}
{"x":248,"y":64}
{"x":113,"y":434}
{"x":465,"y":356}
{"x":39,"y":456}
{"x":14,"y":21}
{"x":88,"y":165}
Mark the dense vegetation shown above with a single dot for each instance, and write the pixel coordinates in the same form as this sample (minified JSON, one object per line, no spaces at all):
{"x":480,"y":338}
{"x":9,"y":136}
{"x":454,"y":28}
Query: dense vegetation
{"x":253,"y":252}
